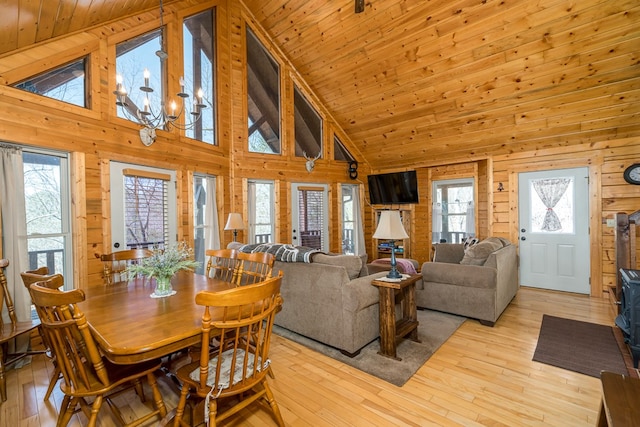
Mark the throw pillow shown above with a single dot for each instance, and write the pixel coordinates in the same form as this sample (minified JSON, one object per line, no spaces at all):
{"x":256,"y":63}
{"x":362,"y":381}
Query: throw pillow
{"x":471,"y":241}
{"x":352,"y":263}
{"x":478,"y":254}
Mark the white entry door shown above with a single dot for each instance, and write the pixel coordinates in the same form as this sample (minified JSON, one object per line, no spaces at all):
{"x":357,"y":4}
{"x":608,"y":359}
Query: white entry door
{"x":554,"y":229}
{"x":310,"y":215}
{"x":143,"y":206}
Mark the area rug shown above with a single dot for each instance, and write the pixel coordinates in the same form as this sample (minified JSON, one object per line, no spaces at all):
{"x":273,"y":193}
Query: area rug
{"x":434,"y":329}
{"x":583,"y":347}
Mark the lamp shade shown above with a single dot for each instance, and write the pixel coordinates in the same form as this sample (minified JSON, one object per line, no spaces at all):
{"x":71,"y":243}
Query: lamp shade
{"x":234,"y":222}
{"x":390,"y":226}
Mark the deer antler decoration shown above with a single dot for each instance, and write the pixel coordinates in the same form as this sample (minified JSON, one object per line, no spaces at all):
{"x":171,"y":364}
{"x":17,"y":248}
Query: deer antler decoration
{"x":311,"y":162}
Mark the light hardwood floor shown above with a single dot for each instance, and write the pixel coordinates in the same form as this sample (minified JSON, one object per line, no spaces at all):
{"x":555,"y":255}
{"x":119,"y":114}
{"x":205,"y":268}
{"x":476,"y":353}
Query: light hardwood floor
{"x":481,"y":376}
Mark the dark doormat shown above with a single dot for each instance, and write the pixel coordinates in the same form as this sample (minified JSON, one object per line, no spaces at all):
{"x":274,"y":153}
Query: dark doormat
{"x":583,"y":347}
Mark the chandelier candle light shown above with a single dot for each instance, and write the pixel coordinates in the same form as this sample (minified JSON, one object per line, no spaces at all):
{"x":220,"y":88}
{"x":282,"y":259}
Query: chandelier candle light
{"x":152,"y":119}
{"x":390,"y":228}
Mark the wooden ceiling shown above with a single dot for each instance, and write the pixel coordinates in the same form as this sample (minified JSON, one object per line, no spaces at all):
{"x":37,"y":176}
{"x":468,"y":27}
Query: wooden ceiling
{"x":417,"y":82}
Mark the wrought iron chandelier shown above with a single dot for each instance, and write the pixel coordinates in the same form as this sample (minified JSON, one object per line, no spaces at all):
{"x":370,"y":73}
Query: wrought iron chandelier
{"x":165,"y":115}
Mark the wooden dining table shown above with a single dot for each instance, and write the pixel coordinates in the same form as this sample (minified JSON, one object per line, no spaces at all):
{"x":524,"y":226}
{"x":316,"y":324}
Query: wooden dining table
{"x":130,"y":326}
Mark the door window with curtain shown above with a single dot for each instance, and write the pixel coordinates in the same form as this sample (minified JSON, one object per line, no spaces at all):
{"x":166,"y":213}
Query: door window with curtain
{"x":309,"y":215}
{"x":205,"y":212}
{"x":143,"y":207}
{"x":453,"y":210}
{"x":261,"y":195}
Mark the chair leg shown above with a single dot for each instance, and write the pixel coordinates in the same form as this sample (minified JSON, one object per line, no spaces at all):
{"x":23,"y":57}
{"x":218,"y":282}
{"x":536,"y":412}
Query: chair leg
{"x":213,"y":412}
{"x":177,"y":421}
{"x":95,"y":409}
{"x":53,"y":381}
{"x":272,"y":403}
{"x":3,"y":385}
{"x":157,"y":396}
{"x":66,"y":410}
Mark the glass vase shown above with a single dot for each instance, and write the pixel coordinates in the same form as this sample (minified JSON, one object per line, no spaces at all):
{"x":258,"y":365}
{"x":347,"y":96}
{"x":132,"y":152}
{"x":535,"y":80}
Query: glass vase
{"x":163,"y":287}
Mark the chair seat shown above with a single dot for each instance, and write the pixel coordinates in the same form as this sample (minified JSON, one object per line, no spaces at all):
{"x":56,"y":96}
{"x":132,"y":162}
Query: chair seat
{"x":193,"y":369}
{"x":11,"y":330}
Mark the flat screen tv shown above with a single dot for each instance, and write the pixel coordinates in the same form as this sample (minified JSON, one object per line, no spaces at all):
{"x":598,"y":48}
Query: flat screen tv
{"x":393,"y":188}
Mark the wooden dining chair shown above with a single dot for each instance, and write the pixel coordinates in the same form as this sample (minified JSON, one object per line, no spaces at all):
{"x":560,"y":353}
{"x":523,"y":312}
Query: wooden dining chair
{"x":86,"y":373}
{"x":221,"y":263}
{"x":115,"y":263}
{"x":11,"y":330}
{"x":253,"y":268}
{"x":239,"y":366}
{"x":52,"y":281}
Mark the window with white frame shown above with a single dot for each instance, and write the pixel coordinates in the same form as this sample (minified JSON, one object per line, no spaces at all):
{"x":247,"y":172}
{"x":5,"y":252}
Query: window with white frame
{"x":350,"y":212}
{"x":47,"y":207}
{"x":261,"y":197}
{"x":453,"y":210}
{"x":205,"y":212}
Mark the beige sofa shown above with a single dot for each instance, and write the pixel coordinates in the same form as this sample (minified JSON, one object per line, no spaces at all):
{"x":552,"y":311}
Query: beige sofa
{"x":330,"y":300}
{"x":479,"y":284}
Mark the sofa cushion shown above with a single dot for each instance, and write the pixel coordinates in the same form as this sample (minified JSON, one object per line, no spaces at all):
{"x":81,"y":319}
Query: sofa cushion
{"x":478,"y":253}
{"x":352,"y":263}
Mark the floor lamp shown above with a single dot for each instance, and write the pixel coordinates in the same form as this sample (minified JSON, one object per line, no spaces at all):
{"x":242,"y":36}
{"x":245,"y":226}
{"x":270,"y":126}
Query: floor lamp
{"x":390,"y":228}
{"x":234,"y":222}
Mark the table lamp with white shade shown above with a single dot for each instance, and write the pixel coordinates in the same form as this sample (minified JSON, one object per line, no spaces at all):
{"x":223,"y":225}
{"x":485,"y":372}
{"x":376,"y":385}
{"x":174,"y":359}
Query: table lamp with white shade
{"x":390,"y":228}
{"x":235,"y":223}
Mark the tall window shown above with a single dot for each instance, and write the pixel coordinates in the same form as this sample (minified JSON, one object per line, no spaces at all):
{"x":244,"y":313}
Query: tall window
{"x":308,"y":126}
{"x":199,"y":70}
{"x":66,"y":83}
{"x":47,"y":206}
{"x":263,"y":98}
{"x":349,"y":215}
{"x":261,"y":196}
{"x":132,"y":58}
{"x":205,"y":211}
{"x":453,"y":210}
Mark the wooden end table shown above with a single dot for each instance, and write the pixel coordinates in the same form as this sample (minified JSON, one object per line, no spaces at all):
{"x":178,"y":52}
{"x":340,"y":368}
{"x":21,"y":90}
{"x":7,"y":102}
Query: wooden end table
{"x":620,"y":401}
{"x":390,"y":329}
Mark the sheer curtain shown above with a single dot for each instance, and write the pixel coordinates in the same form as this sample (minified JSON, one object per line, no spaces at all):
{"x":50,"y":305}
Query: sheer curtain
{"x":437,"y":222}
{"x":361,"y":246}
{"x":211,"y":223}
{"x":550,"y":191}
{"x":470,"y":220}
{"x":14,"y":233}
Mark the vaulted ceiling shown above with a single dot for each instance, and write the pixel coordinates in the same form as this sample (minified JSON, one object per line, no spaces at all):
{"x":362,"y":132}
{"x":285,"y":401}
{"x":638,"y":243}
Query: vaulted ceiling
{"x":418,"y":82}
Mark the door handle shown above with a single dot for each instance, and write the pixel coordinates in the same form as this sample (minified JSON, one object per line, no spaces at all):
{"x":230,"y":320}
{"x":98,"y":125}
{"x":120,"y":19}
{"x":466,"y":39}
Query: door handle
{"x":523,"y":238}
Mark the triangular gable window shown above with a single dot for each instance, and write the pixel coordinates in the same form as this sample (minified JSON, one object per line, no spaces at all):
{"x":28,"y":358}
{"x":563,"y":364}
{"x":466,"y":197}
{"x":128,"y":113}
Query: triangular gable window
{"x":339,"y":152}
{"x":66,"y":83}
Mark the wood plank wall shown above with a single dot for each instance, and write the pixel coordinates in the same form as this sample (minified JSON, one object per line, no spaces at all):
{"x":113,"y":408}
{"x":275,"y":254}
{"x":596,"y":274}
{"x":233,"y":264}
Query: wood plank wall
{"x":95,"y":136}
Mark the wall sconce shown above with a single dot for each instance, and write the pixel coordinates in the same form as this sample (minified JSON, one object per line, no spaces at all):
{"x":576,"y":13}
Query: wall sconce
{"x":235,"y":223}
{"x":500,"y":187}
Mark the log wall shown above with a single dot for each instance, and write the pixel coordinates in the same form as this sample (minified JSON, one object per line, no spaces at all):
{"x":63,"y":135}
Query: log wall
{"x":95,"y":136}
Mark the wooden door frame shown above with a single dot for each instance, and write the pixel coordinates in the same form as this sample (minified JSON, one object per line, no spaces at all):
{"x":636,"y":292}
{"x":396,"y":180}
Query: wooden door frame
{"x":595,"y":209}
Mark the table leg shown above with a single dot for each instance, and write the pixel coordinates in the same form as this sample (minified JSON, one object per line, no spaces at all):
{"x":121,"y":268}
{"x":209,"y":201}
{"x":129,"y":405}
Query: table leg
{"x":409,"y":309}
{"x":387,"y":323}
